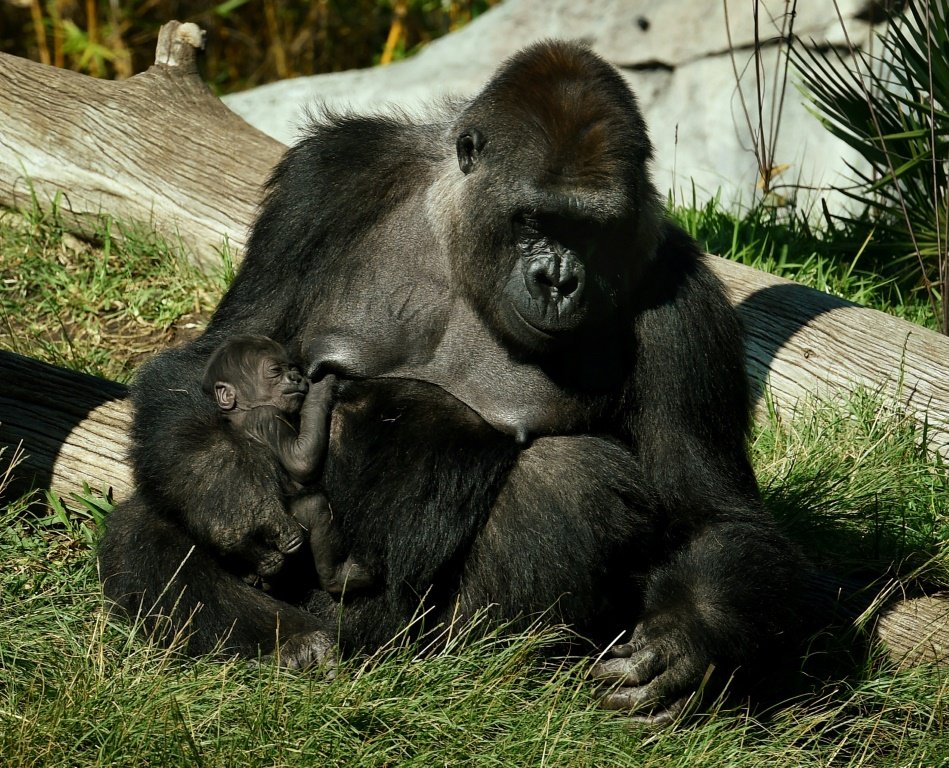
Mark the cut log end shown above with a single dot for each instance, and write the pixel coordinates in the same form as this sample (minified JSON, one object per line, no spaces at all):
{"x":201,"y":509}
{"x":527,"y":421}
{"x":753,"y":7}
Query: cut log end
{"x":178,"y":45}
{"x":916,"y":631}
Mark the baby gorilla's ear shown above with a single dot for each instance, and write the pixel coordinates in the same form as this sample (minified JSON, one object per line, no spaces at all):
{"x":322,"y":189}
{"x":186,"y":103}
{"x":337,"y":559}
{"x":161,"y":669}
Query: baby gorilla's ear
{"x":226,"y":395}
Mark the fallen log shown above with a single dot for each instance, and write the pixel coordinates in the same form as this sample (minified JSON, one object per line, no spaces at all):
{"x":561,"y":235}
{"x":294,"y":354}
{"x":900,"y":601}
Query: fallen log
{"x":71,"y":430}
{"x":82,"y":438}
{"x":161,"y":150}
{"x":157,"y":149}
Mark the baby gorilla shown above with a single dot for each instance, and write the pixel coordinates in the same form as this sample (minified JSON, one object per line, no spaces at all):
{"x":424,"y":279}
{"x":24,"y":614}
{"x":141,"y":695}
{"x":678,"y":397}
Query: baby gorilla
{"x":264,"y":398}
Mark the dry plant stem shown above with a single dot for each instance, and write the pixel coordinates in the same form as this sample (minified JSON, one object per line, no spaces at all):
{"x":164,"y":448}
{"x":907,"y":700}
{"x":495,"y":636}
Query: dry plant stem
{"x":92,"y":31}
{"x":765,"y":149}
{"x":39,"y":29}
{"x":778,"y":90}
{"x":396,"y":31}
{"x":56,"y":21}
{"x":276,"y":40}
{"x":942,"y":235}
{"x":741,"y":96}
{"x":766,"y":160}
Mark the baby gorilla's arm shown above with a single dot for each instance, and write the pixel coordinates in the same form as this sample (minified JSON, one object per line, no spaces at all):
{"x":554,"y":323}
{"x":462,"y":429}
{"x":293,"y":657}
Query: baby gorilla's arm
{"x":302,"y":453}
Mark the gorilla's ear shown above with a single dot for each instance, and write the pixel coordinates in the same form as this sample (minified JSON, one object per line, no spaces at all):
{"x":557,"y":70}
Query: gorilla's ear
{"x":469,"y":146}
{"x":226,"y":395}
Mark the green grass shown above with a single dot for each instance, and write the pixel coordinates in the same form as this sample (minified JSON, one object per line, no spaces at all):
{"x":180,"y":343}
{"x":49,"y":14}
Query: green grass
{"x":786,"y":244}
{"x":848,"y":479}
{"x":77,"y":688}
{"x":98,"y":308}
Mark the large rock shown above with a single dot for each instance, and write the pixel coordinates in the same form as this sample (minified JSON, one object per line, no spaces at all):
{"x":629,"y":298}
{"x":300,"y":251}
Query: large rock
{"x":674,"y":53}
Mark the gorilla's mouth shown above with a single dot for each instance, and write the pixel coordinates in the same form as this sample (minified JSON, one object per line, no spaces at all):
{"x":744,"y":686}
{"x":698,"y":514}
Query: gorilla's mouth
{"x":542,"y":322}
{"x":539,"y":330}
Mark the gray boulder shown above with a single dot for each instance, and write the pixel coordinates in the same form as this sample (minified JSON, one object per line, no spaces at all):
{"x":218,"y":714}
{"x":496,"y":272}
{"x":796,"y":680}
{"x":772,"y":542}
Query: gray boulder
{"x":675,"y":54}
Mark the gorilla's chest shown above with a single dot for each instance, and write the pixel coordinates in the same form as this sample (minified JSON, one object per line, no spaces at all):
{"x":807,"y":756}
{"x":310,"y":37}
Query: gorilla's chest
{"x":422,"y":330}
{"x":515,"y":396}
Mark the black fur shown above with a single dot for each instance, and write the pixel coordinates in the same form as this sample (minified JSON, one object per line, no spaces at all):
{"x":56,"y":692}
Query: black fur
{"x":511,"y":251}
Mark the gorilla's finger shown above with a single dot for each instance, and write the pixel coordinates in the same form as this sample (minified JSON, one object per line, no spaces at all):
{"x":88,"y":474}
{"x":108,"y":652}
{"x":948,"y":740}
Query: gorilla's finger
{"x":621,"y":651}
{"x":266,"y":562}
{"x":283,"y":534}
{"x":308,"y":650}
{"x":625,"y":650}
{"x":662,"y":717}
{"x":632,"y":698}
{"x":637,"y":669}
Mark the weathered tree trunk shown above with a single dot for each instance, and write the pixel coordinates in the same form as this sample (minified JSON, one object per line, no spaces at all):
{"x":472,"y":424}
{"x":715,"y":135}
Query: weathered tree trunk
{"x":803,"y":343}
{"x":160,"y":149}
{"x":916,"y":631}
{"x":69,"y":428}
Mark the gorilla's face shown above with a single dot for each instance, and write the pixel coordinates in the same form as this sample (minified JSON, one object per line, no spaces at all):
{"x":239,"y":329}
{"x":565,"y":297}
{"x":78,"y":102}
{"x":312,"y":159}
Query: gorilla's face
{"x":545,"y":295}
{"x":552,"y":217}
{"x":542,"y":260}
{"x":553,"y":279}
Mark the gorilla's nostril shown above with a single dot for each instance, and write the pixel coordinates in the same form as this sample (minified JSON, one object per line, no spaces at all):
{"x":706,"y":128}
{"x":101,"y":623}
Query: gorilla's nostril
{"x":569,"y":286}
{"x":544,"y":278}
{"x":554,"y":278}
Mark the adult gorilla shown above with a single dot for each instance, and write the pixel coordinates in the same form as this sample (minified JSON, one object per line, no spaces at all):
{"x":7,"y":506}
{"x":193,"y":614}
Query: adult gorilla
{"x":513,"y":252}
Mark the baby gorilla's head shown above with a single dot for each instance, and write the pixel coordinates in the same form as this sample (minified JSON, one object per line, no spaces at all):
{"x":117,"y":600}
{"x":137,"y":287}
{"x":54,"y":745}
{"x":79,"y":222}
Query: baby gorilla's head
{"x":247,"y":372}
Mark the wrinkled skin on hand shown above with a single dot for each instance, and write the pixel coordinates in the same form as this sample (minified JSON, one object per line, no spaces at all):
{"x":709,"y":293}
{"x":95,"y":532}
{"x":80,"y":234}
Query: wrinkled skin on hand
{"x":654,"y":680}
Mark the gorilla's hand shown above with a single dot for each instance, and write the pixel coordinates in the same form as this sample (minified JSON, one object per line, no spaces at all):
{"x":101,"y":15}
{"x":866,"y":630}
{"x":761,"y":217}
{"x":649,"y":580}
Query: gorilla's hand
{"x":654,"y":675}
{"x":264,"y":544}
{"x":306,"y":651}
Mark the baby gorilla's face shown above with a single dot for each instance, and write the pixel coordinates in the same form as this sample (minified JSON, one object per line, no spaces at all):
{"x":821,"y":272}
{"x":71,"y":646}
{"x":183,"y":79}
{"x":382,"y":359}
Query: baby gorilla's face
{"x":281,"y":384}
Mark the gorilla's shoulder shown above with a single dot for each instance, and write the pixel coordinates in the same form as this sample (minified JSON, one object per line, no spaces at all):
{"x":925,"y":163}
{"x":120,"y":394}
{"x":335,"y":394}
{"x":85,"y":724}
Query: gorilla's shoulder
{"x":681,"y":271}
{"x":345,"y":175}
{"x":356,"y":151}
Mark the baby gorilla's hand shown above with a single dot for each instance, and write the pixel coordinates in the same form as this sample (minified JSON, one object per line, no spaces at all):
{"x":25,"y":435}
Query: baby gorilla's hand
{"x":263,"y":543}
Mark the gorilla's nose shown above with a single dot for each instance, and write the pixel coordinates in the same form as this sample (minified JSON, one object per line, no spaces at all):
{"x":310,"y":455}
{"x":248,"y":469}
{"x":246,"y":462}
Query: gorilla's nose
{"x":555,"y":277}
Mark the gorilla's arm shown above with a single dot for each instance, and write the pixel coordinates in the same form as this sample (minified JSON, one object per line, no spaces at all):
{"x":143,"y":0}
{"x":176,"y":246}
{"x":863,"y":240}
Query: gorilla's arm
{"x":414,"y":527}
{"x":300,"y":452}
{"x":730,"y":590}
{"x":155,"y":572}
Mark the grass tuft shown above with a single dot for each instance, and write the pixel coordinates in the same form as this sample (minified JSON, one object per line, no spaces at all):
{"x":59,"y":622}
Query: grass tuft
{"x":99,"y":306}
